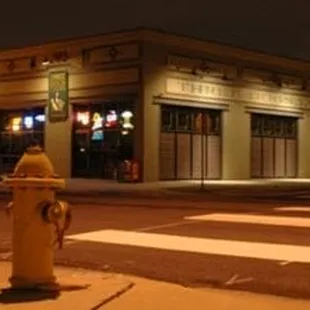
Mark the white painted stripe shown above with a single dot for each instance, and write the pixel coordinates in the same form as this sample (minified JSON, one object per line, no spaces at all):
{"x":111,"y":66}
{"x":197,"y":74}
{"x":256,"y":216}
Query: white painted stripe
{"x":199,"y":245}
{"x":253,"y":219}
{"x":297,"y":209}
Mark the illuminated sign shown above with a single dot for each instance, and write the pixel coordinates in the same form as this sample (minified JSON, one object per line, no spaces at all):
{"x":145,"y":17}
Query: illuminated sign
{"x":127,"y":115}
{"x":40,"y":118}
{"x":28,"y":122}
{"x":16,"y":123}
{"x":97,"y":121}
{"x":83,"y":118}
{"x":97,"y":127}
{"x":111,"y":119}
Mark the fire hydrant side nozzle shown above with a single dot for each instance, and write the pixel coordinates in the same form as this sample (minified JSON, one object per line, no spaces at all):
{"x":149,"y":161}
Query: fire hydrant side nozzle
{"x":37,"y":218}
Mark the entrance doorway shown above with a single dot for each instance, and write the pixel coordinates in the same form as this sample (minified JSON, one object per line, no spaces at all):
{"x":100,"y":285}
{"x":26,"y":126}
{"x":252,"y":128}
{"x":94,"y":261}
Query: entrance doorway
{"x":274,"y":146}
{"x":102,"y":138}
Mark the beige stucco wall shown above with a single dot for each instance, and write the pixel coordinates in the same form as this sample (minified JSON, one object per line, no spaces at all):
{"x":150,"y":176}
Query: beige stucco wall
{"x":304,"y":146}
{"x":236,"y":151}
{"x":154,"y":59}
{"x":58,"y":145}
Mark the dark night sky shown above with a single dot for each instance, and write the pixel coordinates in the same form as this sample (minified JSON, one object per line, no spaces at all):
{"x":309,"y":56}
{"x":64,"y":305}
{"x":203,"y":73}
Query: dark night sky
{"x":276,"y":26}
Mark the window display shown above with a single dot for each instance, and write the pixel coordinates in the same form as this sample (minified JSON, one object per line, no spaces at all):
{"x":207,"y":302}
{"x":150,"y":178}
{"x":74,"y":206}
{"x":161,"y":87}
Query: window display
{"x":106,"y":130}
{"x":16,"y":124}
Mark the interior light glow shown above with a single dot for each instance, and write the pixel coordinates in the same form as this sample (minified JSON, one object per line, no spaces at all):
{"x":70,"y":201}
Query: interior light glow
{"x":28,"y":122}
{"x":16,"y":124}
{"x":40,"y":118}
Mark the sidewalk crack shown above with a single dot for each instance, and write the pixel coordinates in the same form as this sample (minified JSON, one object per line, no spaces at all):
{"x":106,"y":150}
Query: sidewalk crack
{"x":117,"y":294}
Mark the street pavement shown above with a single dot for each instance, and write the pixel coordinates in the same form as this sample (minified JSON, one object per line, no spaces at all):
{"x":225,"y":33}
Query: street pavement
{"x":258,"y":247}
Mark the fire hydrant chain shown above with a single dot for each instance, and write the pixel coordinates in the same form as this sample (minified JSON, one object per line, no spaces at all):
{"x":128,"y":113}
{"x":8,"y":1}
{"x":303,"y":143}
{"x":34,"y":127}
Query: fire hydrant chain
{"x":60,"y":231}
{"x":54,"y":213}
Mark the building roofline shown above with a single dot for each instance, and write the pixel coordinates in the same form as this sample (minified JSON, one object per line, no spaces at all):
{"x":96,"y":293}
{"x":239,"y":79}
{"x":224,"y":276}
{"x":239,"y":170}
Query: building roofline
{"x":219,"y":43}
{"x":142,"y":33}
{"x":231,"y":52}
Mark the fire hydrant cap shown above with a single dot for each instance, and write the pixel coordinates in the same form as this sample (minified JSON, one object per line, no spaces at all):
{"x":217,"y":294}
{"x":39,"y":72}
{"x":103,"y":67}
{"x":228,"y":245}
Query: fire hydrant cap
{"x":34,"y":163}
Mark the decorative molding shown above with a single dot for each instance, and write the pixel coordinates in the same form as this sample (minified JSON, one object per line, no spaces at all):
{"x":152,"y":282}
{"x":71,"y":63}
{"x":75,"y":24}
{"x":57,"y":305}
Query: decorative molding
{"x":108,"y":54}
{"x":192,"y":103}
{"x":200,"y":66}
{"x":231,"y":93}
{"x":12,"y":66}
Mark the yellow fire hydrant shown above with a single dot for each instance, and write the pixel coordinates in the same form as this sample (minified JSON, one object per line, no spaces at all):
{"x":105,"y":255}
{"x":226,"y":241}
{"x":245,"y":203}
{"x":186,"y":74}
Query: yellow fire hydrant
{"x":38,"y":220}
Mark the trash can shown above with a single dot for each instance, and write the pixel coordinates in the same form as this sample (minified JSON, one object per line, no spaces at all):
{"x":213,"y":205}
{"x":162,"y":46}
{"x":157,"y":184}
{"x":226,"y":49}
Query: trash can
{"x":129,"y":171}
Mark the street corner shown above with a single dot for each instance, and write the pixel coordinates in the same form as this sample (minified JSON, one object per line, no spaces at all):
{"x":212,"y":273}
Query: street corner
{"x":154,"y":294}
{"x":78,"y":289}
{"x":88,"y":289}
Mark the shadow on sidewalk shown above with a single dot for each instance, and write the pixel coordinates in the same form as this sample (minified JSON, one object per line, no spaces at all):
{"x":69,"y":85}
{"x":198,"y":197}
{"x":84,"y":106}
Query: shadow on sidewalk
{"x":14,"y":296}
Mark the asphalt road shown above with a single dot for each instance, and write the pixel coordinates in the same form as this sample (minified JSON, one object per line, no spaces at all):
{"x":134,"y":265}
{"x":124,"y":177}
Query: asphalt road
{"x":189,"y":268}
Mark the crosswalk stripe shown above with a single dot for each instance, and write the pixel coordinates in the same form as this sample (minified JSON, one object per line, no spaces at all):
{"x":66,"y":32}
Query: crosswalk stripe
{"x":253,"y":219}
{"x":267,"y":251}
{"x":297,"y":209}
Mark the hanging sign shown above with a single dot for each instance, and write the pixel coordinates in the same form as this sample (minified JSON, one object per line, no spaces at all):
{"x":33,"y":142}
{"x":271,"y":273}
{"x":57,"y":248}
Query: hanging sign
{"x":58,"y":99}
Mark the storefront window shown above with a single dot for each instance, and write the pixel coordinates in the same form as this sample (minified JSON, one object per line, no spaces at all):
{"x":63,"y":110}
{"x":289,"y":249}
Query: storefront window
{"x":290,"y":128}
{"x":191,"y":120}
{"x":256,"y":125}
{"x":183,"y":120}
{"x":273,"y":126}
{"x":213,"y":122}
{"x":102,"y":136}
{"x":167,"y":119}
{"x":19,"y":129}
{"x":279,"y":127}
{"x":198,"y":122}
{"x":267,"y":127}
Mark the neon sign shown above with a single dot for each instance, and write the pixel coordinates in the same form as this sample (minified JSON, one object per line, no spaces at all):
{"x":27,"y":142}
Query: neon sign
{"x":40,"y":118}
{"x":83,"y":118}
{"x":97,"y":127}
{"x":16,"y":123}
{"x":127,"y":115}
{"x":111,"y":119}
{"x":28,"y":122}
{"x":97,"y":121}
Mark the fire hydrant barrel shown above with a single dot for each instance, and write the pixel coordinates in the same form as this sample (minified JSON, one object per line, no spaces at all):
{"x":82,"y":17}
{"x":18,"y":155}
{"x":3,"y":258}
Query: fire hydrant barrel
{"x":32,"y":183}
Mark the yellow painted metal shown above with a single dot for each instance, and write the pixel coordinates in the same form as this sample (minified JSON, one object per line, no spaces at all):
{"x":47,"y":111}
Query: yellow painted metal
{"x":32,"y":183}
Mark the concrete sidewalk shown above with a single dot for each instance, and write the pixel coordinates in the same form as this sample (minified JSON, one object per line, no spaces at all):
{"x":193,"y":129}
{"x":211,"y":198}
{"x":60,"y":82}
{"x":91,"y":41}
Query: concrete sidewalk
{"x":91,"y":190}
{"x":119,"y":292}
{"x":81,"y":290}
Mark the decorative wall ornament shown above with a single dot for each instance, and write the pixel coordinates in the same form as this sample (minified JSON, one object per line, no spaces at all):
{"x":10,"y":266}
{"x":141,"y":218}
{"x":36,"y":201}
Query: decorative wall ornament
{"x":11,"y":66}
{"x":113,"y":52}
{"x":58,"y":98}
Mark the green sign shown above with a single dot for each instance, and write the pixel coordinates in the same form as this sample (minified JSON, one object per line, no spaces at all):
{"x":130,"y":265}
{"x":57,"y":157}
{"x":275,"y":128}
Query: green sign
{"x":58,"y":99}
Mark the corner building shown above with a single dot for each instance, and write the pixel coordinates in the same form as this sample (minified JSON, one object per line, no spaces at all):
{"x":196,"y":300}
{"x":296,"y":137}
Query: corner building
{"x":182,"y":108}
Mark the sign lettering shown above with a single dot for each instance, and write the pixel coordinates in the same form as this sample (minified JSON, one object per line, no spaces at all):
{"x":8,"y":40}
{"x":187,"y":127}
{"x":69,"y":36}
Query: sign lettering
{"x":228,"y":93}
